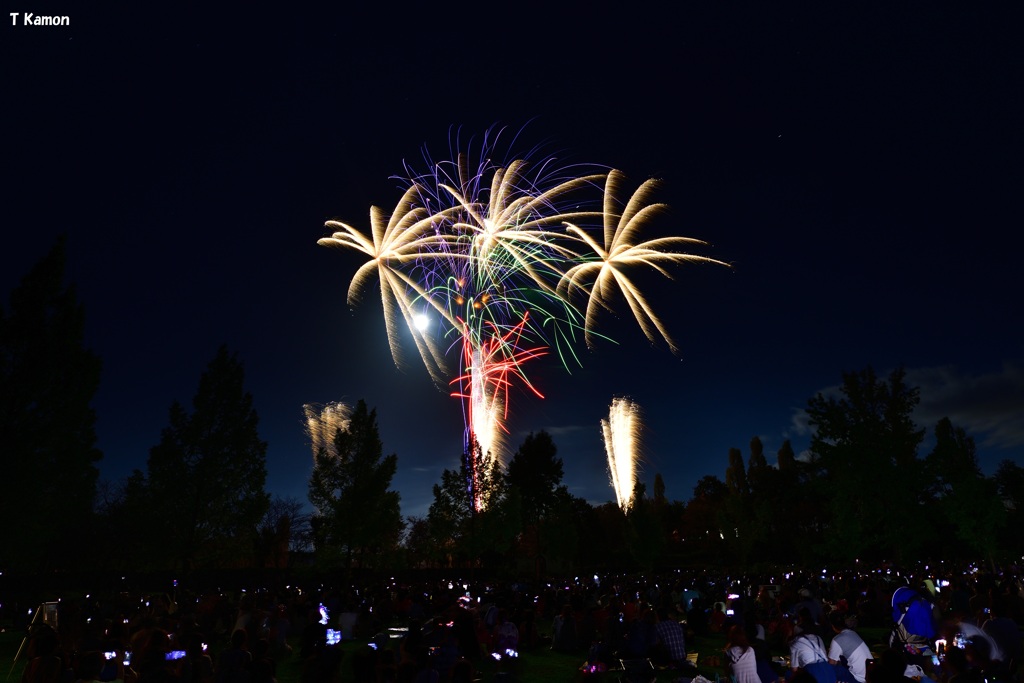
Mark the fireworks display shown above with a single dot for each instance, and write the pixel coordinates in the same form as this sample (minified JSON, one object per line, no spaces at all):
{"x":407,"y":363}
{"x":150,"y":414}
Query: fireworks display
{"x":621,"y":432}
{"x":486,"y":262}
{"x":322,"y":424}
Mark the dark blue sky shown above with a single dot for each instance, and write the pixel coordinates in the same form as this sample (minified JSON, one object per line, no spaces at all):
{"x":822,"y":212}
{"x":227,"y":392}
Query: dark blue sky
{"x":861,"y":169}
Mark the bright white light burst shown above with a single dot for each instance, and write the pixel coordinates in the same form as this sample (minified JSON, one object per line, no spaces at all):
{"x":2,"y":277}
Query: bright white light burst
{"x":622,"y":444}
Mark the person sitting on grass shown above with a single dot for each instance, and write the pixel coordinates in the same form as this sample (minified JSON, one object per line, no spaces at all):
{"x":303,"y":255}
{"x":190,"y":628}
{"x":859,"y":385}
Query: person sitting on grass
{"x":642,"y":635}
{"x":670,"y":648}
{"x":847,"y":647}
{"x":739,"y":653}
{"x":807,"y":650}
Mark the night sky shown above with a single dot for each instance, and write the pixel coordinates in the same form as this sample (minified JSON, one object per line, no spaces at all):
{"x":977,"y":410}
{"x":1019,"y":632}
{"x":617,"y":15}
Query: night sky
{"x":861,"y":170}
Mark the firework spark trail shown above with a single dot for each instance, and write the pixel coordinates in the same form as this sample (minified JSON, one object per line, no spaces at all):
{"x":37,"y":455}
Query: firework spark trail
{"x":322,"y":425}
{"x":619,"y":253}
{"x":484,"y":386}
{"x":497,"y":253}
{"x":397,"y":241}
{"x":621,"y":432}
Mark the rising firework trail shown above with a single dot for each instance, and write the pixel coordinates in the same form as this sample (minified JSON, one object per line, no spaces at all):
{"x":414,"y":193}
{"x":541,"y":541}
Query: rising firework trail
{"x":498,"y":255}
{"x":621,"y":433}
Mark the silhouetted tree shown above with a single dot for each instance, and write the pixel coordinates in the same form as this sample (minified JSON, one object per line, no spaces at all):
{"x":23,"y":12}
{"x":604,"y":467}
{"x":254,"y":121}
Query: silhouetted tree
{"x":659,"y":491}
{"x":757,"y":459}
{"x":736,"y":474}
{"x":970,"y":503}
{"x":865,"y":444}
{"x":468,"y":531}
{"x":357,"y":514}
{"x":449,"y":518}
{"x":127,"y":519}
{"x":1009,"y":480}
{"x":786,"y":458}
{"x":559,"y":534}
{"x":646,"y":539}
{"x":604,"y":537}
{"x":205,"y":479}
{"x":536,"y":472}
{"x":667,"y":514}
{"x":711,"y":488}
{"x":738,"y":509}
{"x":760,"y":522}
{"x":757,"y":467}
{"x":284,"y":527}
{"x":420,"y":548}
{"x":534,"y":478}
{"x":703,"y":531}
{"x":48,"y":379}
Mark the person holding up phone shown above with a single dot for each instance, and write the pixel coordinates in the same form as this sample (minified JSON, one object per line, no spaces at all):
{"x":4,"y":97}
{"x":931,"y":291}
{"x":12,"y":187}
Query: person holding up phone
{"x":155,"y":661}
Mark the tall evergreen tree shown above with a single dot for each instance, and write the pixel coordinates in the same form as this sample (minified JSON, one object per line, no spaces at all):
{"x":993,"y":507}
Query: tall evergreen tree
{"x":48,"y":379}
{"x":760,"y":479}
{"x":757,"y":468}
{"x":757,"y":459}
{"x":736,"y":474}
{"x":206,"y":477}
{"x":738,"y":508}
{"x":786,"y":458}
{"x":358,"y":516}
{"x":660,"y":501}
{"x":779,"y":507}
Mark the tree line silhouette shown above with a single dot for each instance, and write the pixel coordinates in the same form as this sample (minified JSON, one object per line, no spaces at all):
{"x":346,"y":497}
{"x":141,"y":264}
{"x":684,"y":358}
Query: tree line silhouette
{"x":862,"y":492}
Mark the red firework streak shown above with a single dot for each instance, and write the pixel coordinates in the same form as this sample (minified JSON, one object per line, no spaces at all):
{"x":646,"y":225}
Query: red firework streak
{"x":489,"y":368}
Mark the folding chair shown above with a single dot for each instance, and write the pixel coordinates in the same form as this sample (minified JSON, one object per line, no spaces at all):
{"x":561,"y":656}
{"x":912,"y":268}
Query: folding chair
{"x":637,"y":671}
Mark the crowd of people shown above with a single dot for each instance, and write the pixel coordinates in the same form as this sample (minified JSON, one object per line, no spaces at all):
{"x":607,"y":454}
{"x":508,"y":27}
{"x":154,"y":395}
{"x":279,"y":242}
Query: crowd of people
{"x":971,"y":632}
{"x":962,"y":628}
